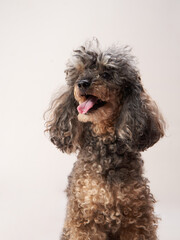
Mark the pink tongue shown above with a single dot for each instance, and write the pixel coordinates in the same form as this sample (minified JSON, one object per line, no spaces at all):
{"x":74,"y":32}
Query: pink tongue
{"x":88,"y":104}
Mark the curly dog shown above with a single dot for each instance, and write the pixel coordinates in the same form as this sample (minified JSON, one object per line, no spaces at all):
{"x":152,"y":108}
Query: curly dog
{"x":107,"y":117}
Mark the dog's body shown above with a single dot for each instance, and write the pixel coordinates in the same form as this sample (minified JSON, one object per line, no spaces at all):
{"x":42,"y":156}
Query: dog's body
{"x":108,"y":197}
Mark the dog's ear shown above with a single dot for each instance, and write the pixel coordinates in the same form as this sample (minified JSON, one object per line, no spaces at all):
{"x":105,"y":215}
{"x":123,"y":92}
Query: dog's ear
{"x":140,"y":124}
{"x":62,"y":125}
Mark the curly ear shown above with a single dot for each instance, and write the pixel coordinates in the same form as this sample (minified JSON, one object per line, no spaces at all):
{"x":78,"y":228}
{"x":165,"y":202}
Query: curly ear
{"x":140,"y":124}
{"x":63,"y":126}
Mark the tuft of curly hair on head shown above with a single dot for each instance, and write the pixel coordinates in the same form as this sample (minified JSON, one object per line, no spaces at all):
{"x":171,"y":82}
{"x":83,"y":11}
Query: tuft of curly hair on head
{"x":108,"y":118}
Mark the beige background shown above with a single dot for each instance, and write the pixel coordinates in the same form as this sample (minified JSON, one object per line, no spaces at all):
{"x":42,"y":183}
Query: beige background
{"x":36,"y":38}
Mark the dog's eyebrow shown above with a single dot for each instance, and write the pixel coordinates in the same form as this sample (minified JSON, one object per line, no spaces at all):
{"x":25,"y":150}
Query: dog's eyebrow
{"x":108,"y":68}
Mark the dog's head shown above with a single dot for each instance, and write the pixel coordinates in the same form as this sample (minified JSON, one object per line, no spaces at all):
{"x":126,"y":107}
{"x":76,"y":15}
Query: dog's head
{"x":105,"y":89}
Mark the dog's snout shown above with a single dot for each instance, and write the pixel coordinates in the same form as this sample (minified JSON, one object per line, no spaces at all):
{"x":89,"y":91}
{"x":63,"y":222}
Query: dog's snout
{"x":84,"y":84}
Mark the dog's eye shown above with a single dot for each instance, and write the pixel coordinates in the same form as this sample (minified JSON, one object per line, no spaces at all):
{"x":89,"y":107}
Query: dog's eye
{"x":93,"y":65}
{"x":106,"y":75}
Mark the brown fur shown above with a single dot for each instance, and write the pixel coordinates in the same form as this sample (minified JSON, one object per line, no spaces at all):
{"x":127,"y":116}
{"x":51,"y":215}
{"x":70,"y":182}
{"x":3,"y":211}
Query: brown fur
{"x":108,"y":196}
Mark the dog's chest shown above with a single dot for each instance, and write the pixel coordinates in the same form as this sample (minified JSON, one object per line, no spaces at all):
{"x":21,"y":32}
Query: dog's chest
{"x":90,"y":189}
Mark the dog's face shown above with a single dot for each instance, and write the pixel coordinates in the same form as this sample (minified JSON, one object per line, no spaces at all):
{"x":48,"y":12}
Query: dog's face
{"x":98,"y":98}
{"x":100,"y":82}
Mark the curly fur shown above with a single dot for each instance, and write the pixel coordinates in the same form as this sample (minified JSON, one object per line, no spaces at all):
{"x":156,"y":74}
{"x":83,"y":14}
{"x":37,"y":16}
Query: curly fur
{"x":108,"y":196}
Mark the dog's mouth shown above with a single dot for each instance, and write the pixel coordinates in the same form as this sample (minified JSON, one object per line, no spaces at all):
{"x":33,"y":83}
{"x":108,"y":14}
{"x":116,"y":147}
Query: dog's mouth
{"x":91,"y":104}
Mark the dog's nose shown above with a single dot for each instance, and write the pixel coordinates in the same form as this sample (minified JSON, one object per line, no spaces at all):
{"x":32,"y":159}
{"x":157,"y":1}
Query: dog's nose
{"x":84,"y":84}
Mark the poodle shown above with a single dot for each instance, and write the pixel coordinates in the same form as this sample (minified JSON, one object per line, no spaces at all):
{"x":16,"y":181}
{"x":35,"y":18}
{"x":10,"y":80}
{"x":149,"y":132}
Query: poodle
{"x":107,"y":118}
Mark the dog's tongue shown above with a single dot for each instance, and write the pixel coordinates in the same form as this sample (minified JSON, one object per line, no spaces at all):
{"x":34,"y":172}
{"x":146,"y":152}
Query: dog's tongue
{"x":88,"y":104}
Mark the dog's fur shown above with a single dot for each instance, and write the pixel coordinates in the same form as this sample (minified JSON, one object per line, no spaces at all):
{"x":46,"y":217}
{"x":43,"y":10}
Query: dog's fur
{"x":108,"y":196}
